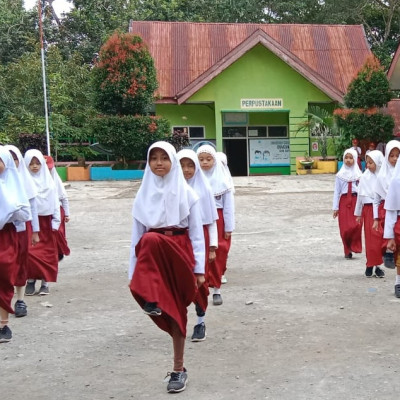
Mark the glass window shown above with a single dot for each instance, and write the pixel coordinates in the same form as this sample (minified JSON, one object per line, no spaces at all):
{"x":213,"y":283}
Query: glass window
{"x":234,"y":131}
{"x":196,"y":131}
{"x":235,"y":118}
{"x":277,"y":131}
{"x":257,"y":131}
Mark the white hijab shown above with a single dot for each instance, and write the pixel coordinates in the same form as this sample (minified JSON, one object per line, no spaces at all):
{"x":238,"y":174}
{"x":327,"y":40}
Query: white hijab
{"x":46,"y":200}
{"x":30,"y":187}
{"x":392,"y":201}
{"x":163,"y":201}
{"x":368,"y":179}
{"x":200,"y":185}
{"x":223,"y":158}
{"x":386,"y":172}
{"x":216,"y":175}
{"x":350,"y":174}
{"x":13,"y":199}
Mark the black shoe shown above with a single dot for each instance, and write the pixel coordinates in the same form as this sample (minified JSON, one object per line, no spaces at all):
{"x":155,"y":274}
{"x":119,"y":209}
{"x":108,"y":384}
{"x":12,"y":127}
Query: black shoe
{"x":44,"y":290}
{"x":199,"y":333}
{"x":348,"y":256}
{"x":177,"y":382}
{"x":217,"y":299}
{"x":379,"y":272}
{"x":397,"y":291}
{"x":368,"y":272}
{"x":20,"y":309}
{"x":60,"y":257}
{"x":30,"y":289}
{"x":5,"y":334}
{"x":151,"y":309}
{"x":388,"y":259}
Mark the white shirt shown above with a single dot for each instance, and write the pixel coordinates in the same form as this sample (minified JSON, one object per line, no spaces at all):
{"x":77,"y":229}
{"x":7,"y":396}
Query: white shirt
{"x":227,"y":203}
{"x":341,"y":188}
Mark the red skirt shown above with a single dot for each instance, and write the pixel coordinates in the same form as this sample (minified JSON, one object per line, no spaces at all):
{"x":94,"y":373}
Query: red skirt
{"x":381,"y":229}
{"x":203,"y":291}
{"x":218,"y":267}
{"x":8,"y":265}
{"x":24,"y":241}
{"x":373,"y":238}
{"x":43,"y":258}
{"x":62,"y":244}
{"x":164,"y":275}
{"x":350,"y":230}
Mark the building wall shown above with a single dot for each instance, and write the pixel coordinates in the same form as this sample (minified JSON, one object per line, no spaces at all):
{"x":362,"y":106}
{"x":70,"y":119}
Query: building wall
{"x":257,"y":74}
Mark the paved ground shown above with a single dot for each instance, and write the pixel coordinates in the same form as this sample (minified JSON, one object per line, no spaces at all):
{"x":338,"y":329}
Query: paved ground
{"x":298,"y":320}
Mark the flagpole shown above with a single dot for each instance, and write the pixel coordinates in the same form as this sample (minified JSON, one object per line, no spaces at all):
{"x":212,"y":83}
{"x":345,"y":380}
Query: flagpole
{"x":46,"y":113}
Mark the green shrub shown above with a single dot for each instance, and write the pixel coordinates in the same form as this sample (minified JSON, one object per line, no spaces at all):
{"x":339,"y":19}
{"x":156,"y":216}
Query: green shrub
{"x":129,"y":136}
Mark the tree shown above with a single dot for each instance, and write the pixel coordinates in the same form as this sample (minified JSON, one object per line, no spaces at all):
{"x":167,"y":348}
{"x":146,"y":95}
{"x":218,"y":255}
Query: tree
{"x":362,"y":118}
{"x":69,"y":91}
{"x":124,"y":81}
{"x":17,"y":30}
{"x":322,"y":126}
{"x":124,"y":76}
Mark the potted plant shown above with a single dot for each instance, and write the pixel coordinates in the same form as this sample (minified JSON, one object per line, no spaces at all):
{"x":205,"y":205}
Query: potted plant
{"x":307,"y":162}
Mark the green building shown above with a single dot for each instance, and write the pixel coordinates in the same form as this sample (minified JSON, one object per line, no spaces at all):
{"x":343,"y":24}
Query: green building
{"x":246,"y":87}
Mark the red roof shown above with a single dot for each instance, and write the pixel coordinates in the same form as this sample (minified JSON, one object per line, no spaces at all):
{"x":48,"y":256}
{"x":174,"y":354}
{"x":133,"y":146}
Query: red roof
{"x":188,"y":55}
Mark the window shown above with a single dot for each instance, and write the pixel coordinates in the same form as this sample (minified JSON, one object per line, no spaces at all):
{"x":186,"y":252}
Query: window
{"x":234,"y":131}
{"x":235,"y":118}
{"x":277,"y":131}
{"x":193,"y":131}
{"x":257,"y":131}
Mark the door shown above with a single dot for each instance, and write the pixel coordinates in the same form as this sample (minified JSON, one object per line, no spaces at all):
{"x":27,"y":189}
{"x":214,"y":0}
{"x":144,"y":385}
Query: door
{"x":236,"y":152}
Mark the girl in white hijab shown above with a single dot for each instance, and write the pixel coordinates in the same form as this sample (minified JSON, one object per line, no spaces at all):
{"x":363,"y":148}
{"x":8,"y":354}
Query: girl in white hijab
{"x":344,"y":202}
{"x":14,"y":209}
{"x":24,"y":237}
{"x":167,"y":250}
{"x":364,"y":213}
{"x":392,"y":222}
{"x":196,"y":179}
{"x":43,"y":258}
{"x":384,"y":177}
{"x":223,"y":194}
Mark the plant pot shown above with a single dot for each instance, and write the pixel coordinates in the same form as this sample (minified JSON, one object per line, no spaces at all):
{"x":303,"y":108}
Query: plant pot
{"x":75,"y":173}
{"x":306,"y":164}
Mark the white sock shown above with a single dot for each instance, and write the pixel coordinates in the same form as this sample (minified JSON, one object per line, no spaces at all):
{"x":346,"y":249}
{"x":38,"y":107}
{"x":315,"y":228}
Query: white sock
{"x":397,"y":279}
{"x":217,"y":291}
{"x":200,"y":320}
{"x":44,"y":283}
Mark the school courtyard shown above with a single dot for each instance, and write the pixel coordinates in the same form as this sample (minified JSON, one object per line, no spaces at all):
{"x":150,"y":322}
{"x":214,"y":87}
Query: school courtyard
{"x":298,"y":320}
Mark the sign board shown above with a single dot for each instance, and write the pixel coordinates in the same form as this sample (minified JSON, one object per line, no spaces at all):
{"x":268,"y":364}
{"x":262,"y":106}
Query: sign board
{"x":262,"y":104}
{"x":269,"y":152}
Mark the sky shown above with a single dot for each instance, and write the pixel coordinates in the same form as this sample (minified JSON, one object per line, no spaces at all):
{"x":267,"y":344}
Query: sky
{"x":59,"y":6}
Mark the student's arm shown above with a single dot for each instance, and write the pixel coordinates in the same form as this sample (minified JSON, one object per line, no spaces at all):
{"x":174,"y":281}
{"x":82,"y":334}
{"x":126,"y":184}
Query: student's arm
{"x":137,"y":232}
{"x":375,"y":210}
{"x":213,"y":235}
{"x":336,"y":197}
{"x":359,"y":207}
{"x":56,"y":217}
{"x":196,"y":235}
{"x":35,"y":222}
{"x":375,"y":205}
{"x":229,"y":211}
{"x":65,"y":205}
{"x":390,"y":221}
